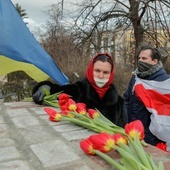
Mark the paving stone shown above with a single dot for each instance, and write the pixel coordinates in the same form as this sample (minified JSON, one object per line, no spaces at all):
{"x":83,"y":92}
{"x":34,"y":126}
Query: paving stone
{"x":38,"y":110}
{"x":1,"y":119}
{"x":76,"y":166}
{"x":30,"y":141}
{"x":77,"y":135}
{"x":18,"y":112}
{"x":14,"y":165}
{"x":51,"y":123}
{"x":54,"y":153}
{"x":3,"y":127}
{"x":6,"y":142}
{"x":67,"y":127}
{"x":32,"y":135}
{"x":15,"y":104}
{"x":8,"y":153}
{"x":25,"y":121}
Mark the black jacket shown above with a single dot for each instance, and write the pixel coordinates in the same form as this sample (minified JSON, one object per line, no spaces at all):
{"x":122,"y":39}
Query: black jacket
{"x":111,"y":105}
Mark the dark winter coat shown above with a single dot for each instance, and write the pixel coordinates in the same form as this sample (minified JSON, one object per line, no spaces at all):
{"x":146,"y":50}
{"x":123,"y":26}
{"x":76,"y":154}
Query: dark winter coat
{"x":135,"y":109}
{"x":111,"y":105}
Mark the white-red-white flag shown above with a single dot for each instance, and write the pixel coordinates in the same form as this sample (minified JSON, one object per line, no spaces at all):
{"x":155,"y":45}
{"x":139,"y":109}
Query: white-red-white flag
{"x":155,"y":95}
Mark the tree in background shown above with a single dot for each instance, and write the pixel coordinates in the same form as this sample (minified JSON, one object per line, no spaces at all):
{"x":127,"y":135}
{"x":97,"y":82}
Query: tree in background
{"x":69,"y":40}
{"x":144,"y":18}
{"x":58,"y":40}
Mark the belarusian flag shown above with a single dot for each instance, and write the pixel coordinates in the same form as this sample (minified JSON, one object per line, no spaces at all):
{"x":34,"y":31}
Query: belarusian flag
{"x":155,"y":95}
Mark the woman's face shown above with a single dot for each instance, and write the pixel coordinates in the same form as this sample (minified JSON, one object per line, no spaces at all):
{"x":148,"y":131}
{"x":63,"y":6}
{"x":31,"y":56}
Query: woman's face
{"x":102,"y":70}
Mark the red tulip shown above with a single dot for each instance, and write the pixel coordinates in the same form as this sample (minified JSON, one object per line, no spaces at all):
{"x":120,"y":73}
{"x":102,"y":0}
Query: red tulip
{"x":135,"y":128}
{"x":62,"y":102}
{"x":81,"y":109}
{"x":93,"y":113}
{"x":102,"y":142}
{"x":120,"y":139}
{"x":63,"y":96}
{"x":67,"y":113}
{"x":71,"y":105}
{"x":63,"y":106}
{"x":87,"y":146}
{"x":54,"y":116}
{"x":82,"y":105}
{"x":162,"y":146}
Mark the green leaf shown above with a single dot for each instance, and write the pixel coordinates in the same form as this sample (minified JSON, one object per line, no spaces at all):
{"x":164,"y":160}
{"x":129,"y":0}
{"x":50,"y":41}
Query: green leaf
{"x":47,"y":92}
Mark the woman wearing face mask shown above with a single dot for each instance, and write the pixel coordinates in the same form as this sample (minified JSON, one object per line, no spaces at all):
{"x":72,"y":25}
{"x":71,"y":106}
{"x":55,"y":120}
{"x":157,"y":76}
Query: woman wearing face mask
{"x":149,"y":68}
{"x":96,"y":90}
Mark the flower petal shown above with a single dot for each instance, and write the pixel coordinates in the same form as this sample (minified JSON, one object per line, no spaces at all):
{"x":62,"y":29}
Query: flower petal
{"x":102,"y":142}
{"x":135,"y":128}
{"x":87,"y":146}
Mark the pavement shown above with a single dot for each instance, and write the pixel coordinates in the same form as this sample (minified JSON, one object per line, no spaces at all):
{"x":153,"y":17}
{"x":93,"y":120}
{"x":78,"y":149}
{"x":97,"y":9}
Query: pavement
{"x":30,"y":141}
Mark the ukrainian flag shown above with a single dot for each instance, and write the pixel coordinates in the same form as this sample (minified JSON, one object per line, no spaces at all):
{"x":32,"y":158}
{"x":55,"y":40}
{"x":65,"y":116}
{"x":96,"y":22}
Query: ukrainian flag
{"x":19,"y":50}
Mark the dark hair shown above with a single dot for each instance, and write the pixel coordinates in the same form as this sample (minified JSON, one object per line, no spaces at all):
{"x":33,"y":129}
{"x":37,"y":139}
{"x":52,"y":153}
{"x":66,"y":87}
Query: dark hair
{"x":155,"y":54}
{"x":104,"y":58}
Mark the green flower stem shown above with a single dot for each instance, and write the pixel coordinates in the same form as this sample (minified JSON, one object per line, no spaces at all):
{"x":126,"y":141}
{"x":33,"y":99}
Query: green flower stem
{"x":109,"y":160}
{"x":144,"y":143}
{"x":160,"y":166}
{"x":115,"y":129}
{"x":84,"y":124}
{"x":100,"y":123}
{"x":127,"y":155}
{"x":107,"y":121}
{"x":152,"y":162}
{"x":50,"y":103}
{"x":140,"y":151}
{"x":129,"y":150}
{"x":129,"y":164}
{"x":82,"y":117}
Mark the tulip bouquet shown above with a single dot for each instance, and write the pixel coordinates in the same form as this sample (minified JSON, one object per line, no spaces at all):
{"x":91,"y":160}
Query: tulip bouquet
{"x":76,"y":113}
{"x":133,"y":155}
{"x":128,"y":141}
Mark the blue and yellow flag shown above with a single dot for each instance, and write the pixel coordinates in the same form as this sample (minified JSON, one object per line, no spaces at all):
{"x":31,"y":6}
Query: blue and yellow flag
{"x":19,"y":50}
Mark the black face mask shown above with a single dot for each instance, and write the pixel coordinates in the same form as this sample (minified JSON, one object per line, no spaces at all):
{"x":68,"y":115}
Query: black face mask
{"x":143,"y":66}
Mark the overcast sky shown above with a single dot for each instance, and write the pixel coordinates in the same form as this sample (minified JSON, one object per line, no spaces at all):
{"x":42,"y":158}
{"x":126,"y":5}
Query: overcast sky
{"x":35,"y":8}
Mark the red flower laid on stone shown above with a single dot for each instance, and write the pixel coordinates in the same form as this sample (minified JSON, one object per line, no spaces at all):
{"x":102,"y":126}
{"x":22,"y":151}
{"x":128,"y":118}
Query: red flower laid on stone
{"x":102,"y":142}
{"x":87,"y":146}
{"x":135,"y":128}
{"x":82,"y":105}
{"x":63,"y":100}
{"x":63,"y":96}
{"x":81,"y":108}
{"x":67,"y":113}
{"x":93,"y":113}
{"x":120,"y":139}
{"x":54,"y":116}
{"x":64,"y":106}
{"x":71,"y":105}
{"x":162,"y":146}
